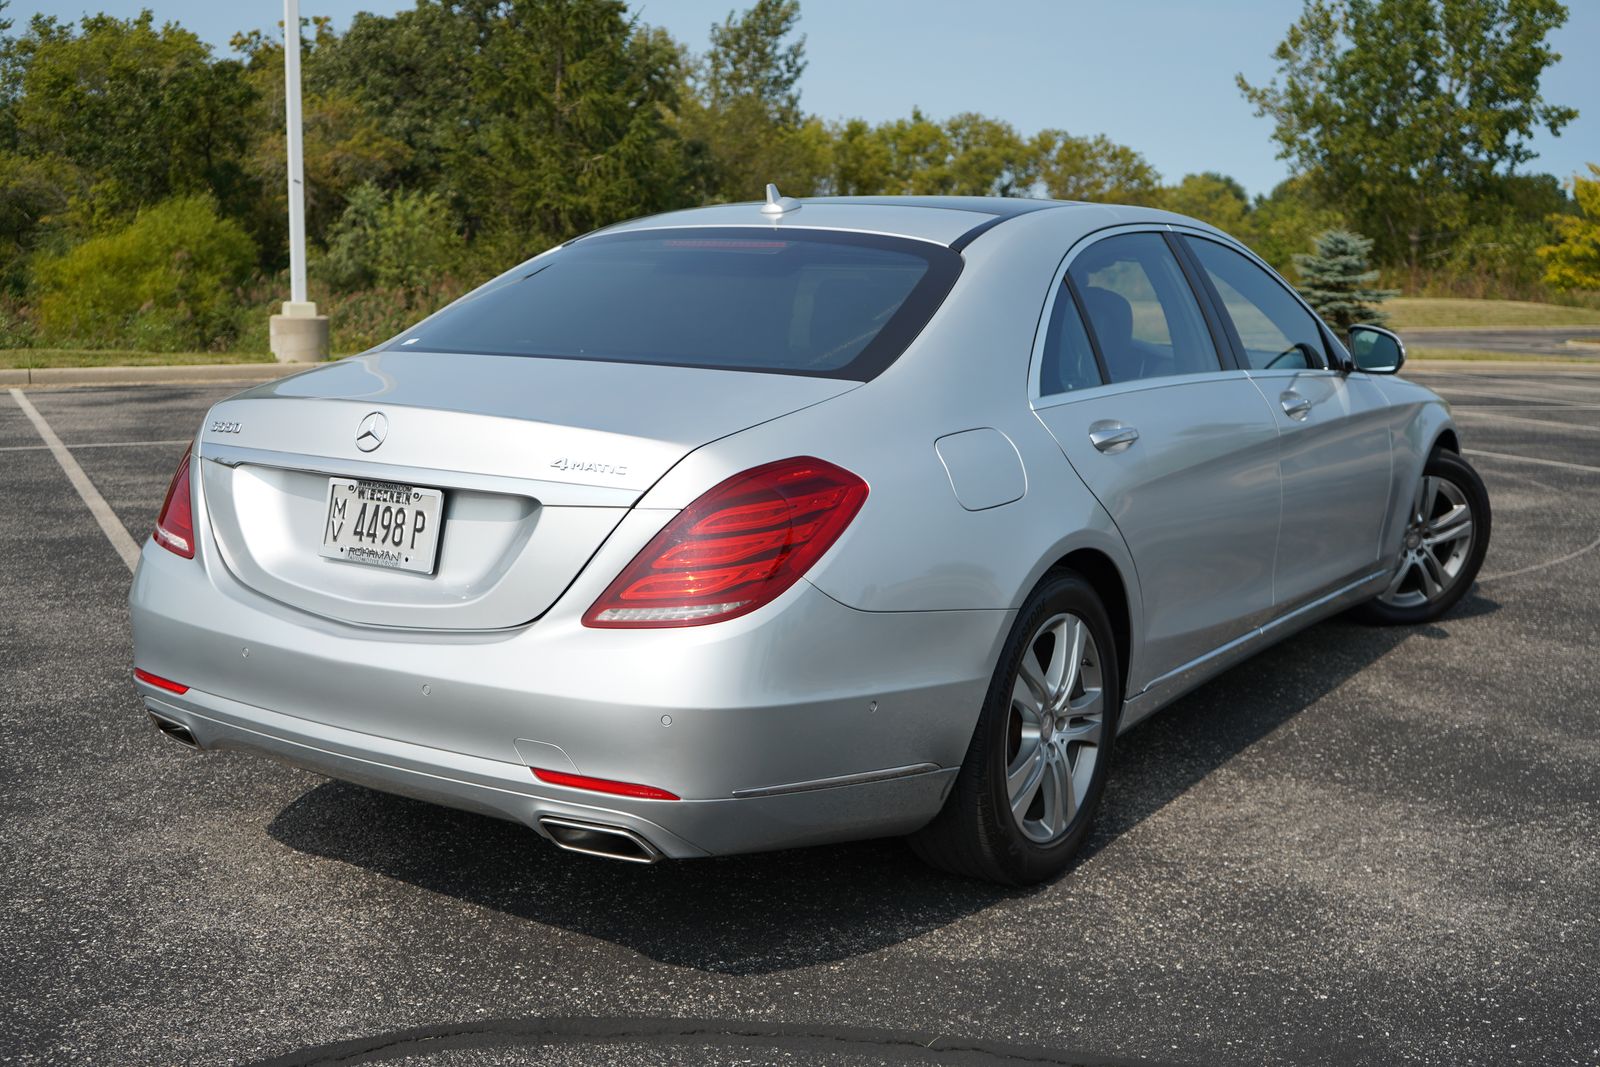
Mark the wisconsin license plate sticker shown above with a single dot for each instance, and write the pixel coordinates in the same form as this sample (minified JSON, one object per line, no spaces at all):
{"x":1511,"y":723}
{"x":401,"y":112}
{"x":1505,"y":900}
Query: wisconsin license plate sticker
{"x":383,"y":524}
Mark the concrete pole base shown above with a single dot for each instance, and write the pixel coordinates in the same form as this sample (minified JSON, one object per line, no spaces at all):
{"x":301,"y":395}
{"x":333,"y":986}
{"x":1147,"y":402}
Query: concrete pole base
{"x":299,"y":335}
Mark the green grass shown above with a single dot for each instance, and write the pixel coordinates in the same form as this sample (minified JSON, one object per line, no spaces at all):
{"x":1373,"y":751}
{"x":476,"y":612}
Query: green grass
{"x":33,"y":358}
{"x":1474,"y":354}
{"x":1410,"y":311}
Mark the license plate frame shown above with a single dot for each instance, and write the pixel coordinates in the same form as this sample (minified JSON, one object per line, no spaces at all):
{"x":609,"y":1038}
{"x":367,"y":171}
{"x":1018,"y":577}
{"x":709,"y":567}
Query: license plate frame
{"x":389,"y":525}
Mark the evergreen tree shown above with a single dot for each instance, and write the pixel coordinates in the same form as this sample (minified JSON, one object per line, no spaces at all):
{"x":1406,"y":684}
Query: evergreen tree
{"x":1336,"y":280}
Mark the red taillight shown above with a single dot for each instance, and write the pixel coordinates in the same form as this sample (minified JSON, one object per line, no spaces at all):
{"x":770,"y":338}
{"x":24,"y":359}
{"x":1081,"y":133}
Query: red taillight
{"x":159,"y":682}
{"x":175,"y":524}
{"x":602,"y":785}
{"x":736,"y":548}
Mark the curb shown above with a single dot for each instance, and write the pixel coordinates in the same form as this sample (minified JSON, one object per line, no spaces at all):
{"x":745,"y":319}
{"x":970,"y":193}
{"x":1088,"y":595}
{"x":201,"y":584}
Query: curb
{"x":1583,"y":328}
{"x":176,"y":375}
{"x":1456,"y":366}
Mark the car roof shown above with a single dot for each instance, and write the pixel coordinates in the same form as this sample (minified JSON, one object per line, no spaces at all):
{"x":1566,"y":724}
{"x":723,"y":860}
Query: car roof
{"x":952,"y":221}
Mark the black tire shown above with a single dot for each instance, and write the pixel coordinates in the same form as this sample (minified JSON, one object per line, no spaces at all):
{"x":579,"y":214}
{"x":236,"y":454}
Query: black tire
{"x":1451,"y":468}
{"x":975,"y":833}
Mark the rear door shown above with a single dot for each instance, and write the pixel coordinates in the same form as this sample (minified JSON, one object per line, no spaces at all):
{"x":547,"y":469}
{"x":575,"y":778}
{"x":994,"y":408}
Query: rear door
{"x":1179,"y":449}
{"x":1334,"y":427}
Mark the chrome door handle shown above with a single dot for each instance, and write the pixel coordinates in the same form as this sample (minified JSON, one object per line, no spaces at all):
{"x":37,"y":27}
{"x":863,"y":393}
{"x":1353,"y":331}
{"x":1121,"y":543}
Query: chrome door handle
{"x":1112,"y":437}
{"x":1294,"y":405}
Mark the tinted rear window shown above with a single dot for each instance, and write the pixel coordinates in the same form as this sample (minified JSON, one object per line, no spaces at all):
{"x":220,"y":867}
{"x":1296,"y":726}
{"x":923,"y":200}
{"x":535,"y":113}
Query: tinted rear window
{"x":817,"y":303}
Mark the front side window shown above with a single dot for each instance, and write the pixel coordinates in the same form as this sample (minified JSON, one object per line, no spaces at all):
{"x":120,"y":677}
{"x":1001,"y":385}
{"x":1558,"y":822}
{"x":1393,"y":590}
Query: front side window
{"x":1143,"y":313}
{"x":1274,"y":329}
{"x":799,"y":302}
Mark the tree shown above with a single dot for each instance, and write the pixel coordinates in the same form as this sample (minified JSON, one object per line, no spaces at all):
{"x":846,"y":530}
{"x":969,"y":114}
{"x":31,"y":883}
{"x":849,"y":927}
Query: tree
{"x":1336,"y":280}
{"x":742,"y":108}
{"x":1407,"y":113}
{"x":1210,"y":197}
{"x":1093,"y":168}
{"x":141,"y":112}
{"x":571,"y":106}
{"x":1573,"y":262}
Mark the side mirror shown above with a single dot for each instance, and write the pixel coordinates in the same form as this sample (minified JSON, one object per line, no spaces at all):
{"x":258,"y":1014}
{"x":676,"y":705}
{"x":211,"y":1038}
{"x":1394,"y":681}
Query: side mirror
{"x":1376,"y":350}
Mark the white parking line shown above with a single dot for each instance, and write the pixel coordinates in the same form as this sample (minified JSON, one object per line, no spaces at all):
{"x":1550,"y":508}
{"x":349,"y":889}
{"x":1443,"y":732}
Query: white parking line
{"x":1530,"y":459}
{"x":110,"y":525}
{"x":91,"y":444}
{"x":1492,"y":413}
{"x":1590,"y":547}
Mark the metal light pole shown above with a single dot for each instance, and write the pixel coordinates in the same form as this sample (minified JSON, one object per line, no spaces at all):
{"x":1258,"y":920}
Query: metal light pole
{"x":299,"y":334}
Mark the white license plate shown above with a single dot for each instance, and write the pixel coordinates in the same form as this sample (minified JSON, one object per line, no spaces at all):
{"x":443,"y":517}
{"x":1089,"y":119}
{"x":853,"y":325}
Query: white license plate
{"x":382,"y":524}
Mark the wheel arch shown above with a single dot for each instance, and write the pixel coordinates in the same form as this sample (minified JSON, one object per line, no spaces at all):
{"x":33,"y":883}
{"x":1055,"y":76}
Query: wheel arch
{"x":1446,"y":440}
{"x":1105,"y":577}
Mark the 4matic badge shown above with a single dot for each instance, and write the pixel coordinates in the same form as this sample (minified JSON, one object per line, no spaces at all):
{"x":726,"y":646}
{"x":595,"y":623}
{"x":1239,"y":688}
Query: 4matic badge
{"x":578,"y":466}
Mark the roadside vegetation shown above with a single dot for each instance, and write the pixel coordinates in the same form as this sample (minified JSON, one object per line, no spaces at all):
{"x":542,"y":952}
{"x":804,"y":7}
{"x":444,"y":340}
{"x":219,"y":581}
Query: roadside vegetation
{"x":142,"y":203}
{"x":1454,"y":312}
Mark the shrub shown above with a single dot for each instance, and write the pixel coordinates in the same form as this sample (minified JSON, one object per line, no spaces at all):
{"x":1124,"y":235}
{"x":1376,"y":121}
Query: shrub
{"x":166,"y":281}
{"x":405,"y":241}
{"x":1574,"y":261}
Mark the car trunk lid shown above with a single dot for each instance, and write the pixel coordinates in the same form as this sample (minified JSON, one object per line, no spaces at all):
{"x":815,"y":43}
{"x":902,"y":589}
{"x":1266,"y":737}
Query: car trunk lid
{"x":537,"y":459}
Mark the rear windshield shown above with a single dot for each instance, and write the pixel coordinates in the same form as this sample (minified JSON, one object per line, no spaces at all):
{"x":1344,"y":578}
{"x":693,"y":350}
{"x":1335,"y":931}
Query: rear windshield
{"x":815,"y":302}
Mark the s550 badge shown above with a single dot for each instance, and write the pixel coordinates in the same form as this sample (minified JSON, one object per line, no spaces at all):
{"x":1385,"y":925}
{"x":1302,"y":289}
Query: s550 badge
{"x":224,"y":426}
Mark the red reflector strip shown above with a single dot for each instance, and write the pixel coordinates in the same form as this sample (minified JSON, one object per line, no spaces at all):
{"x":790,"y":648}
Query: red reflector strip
{"x":602,"y":785}
{"x":159,"y":682}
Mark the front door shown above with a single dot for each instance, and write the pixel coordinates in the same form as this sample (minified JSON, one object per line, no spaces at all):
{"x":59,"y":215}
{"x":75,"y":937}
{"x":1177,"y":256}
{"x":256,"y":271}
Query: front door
{"x":1335,"y":449}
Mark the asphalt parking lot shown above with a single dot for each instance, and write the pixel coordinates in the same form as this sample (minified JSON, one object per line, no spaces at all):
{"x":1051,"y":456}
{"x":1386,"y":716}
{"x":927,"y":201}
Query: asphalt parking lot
{"x":1565,"y":341}
{"x":1364,"y":847}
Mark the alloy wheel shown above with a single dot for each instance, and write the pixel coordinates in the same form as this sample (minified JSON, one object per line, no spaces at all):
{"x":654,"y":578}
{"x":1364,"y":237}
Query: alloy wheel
{"x":1437,"y":542}
{"x":1054,"y":732}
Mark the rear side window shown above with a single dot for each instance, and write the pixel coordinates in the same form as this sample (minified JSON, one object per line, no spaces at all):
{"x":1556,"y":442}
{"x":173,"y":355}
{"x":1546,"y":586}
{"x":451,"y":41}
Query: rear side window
{"x":1274,"y":329}
{"x":1143,"y":313}
{"x":798,"y":302}
{"x":1068,"y":361}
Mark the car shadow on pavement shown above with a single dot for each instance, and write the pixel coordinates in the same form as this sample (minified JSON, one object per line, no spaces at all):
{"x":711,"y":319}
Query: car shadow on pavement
{"x":759,"y":914}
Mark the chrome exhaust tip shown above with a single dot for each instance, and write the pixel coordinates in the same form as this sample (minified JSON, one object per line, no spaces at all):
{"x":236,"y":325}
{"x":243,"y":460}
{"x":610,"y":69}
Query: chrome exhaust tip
{"x":593,"y":839}
{"x":175,"y":730}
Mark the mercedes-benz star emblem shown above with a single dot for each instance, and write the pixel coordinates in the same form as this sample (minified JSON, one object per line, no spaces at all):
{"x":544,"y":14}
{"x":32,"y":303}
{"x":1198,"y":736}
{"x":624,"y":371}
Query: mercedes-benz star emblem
{"x":373,"y":429}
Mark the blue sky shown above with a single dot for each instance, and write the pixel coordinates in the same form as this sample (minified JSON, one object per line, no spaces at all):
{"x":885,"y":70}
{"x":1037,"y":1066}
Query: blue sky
{"x":1153,"y":74}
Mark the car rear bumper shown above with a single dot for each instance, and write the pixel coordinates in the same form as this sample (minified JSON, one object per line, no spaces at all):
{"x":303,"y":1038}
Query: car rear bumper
{"x":804,"y":723}
{"x":681,"y":829}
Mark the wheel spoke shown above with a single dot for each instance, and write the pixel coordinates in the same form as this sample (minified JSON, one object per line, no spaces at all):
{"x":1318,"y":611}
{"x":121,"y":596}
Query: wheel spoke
{"x":1399,"y":575}
{"x":1061,"y":662}
{"x":1092,"y":702}
{"x":1023,"y":780}
{"x":1427,"y":498}
{"x":1062,"y":803}
{"x":1453,"y":525}
{"x":1077,"y":636}
{"x":1087,"y":732}
{"x":1032,"y":674}
{"x":1024,"y":700}
{"x":1433,"y":576}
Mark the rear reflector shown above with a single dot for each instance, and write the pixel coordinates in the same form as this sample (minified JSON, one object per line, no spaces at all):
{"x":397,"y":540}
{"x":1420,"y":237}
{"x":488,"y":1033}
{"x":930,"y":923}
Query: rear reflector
{"x":602,"y":785}
{"x":159,"y":682}
{"x":175,"y":524}
{"x":735,"y":549}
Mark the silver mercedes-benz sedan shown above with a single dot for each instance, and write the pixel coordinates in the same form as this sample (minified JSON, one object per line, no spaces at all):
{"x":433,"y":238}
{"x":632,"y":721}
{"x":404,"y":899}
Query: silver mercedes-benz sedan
{"x":766,"y":525}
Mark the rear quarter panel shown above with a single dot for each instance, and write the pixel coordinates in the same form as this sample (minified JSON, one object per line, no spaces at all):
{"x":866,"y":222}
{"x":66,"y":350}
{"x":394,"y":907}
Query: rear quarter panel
{"x":914,"y":547}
